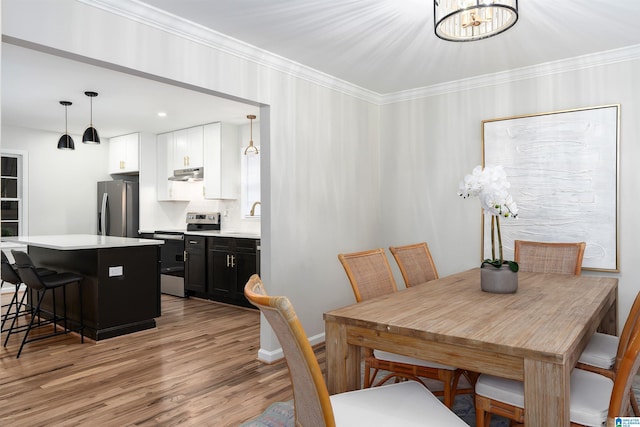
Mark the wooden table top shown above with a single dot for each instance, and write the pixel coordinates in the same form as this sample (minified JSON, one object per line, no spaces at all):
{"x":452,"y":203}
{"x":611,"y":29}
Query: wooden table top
{"x":545,"y":319}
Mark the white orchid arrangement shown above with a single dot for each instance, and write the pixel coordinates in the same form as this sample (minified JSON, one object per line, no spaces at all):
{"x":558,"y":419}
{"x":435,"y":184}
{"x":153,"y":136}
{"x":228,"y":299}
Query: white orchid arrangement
{"x":490,"y":185}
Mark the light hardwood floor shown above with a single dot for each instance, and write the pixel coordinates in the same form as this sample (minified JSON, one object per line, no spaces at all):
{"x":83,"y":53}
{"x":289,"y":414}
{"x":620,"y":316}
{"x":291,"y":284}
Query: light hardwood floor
{"x":198,"y":367}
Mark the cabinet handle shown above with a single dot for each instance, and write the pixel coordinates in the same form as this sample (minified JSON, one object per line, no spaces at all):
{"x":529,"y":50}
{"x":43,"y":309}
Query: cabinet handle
{"x":184,"y":255}
{"x":121,"y":164}
{"x":231,"y":261}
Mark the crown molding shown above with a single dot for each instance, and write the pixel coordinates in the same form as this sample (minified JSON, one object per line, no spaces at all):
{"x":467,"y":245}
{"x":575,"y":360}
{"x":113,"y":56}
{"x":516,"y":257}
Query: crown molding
{"x":145,"y":14}
{"x":548,"y":68}
{"x":159,"y":19}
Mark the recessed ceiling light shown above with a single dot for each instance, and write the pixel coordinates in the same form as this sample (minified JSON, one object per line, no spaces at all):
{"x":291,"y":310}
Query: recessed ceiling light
{"x":162,"y":114}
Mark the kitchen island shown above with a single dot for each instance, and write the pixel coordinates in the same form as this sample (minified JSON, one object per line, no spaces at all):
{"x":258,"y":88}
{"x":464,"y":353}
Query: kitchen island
{"x":121,"y":286}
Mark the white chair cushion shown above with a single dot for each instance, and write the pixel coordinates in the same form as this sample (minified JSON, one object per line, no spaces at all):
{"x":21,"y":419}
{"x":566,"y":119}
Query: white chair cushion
{"x":600,"y":351}
{"x":501,"y":389}
{"x":404,"y":404}
{"x":590,"y":395}
{"x":398,"y":358}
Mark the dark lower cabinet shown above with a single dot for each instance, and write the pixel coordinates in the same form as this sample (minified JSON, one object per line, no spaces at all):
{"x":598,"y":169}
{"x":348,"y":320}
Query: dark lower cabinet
{"x":195,"y":271}
{"x":230,"y":263}
{"x":217,"y":268}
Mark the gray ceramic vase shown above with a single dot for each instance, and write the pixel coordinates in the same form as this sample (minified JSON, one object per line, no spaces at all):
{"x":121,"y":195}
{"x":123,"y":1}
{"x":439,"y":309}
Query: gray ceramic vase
{"x":498,"y":280}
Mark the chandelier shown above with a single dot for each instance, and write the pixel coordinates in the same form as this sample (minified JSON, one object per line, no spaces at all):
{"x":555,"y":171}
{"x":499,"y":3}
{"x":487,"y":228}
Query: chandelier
{"x":468,"y":20}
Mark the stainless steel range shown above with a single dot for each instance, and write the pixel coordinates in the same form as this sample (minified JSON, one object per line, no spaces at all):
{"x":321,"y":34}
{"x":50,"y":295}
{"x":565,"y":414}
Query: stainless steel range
{"x":172,"y":252}
{"x":203,"y":221}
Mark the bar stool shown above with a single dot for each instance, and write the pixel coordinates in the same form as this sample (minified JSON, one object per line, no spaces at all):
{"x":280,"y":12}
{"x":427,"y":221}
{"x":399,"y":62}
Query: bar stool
{"x":41,"y":284}
{"x":9,"y":275}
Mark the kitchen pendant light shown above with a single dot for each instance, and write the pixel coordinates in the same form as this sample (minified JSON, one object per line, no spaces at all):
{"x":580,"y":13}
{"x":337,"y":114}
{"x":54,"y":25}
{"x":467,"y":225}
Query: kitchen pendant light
{"x":469,"y":20}
{"x":251,"y":149}
{"x":90,"y":135}
{"x":66,"y":142}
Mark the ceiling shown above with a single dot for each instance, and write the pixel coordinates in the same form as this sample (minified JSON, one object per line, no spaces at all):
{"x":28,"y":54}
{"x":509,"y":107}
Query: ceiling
{"x":384,"y":46}
{"x":388,"y":46}
{"x":34,"y":83}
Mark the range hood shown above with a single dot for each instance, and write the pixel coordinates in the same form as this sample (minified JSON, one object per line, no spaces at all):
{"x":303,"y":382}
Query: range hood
{"x":190,"y":174}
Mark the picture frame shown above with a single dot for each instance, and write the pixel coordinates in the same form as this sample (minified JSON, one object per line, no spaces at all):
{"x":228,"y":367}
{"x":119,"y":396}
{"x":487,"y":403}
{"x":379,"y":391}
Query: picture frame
{"x":563,"y":167}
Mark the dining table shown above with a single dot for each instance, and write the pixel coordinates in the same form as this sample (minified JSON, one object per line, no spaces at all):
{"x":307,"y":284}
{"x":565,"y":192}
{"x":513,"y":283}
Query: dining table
{"x":534,"y":335}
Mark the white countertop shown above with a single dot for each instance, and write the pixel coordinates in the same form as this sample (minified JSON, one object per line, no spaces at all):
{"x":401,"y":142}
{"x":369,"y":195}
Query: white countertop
{"x":68,"y":242}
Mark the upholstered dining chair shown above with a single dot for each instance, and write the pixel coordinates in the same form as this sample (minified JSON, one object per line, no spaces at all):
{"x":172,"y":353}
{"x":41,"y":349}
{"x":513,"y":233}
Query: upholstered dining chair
{"x":549,"y":257}
{"x":595,"y":399}
{"x":604,"y":352}
{"x":370,"y":276}
{"x":402,"y":404}
{"x":415,"y":263}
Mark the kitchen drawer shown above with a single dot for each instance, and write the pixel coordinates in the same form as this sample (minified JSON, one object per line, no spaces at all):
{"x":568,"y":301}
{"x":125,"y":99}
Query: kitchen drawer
{"x":194,"y":242}
{"x":235,"y":244}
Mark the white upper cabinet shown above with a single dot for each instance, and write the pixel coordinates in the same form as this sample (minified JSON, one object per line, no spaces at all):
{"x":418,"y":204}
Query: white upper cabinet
{"x":221,"y":161}
{"x":167,"y":190}
{"x":124,"y":154}
{"x":187,"y":148}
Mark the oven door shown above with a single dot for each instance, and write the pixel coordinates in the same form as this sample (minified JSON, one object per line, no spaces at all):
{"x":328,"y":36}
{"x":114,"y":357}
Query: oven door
{"x":171,"y":262}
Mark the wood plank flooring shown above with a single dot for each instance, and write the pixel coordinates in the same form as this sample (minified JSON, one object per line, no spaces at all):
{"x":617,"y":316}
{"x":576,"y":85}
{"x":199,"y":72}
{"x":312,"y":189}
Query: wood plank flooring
{"x":199,"y":367}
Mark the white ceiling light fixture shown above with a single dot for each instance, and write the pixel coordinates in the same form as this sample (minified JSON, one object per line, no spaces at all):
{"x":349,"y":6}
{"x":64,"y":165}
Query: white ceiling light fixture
{"x":469,"y":20}
{"x":251,"y":149}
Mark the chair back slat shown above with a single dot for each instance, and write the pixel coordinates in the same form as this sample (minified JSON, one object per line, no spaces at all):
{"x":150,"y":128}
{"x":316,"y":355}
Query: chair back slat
{"x":628,"y":331}
{"x":415,"y":263}
{"x":310,"y":394}
{"x":369,"y":273}
{"x":549,"y":257}
{"x":620,"y":404}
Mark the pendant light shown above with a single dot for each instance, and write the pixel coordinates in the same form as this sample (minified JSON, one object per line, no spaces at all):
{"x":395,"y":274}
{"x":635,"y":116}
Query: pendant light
{"x":66,"y":142}
{"x":90,"y":135}
{"x":251,"y":149}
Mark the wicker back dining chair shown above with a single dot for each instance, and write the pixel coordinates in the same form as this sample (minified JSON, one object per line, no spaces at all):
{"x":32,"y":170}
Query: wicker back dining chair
{"x":369,"y":273}
{"x":402,"y":404}
{"x":370,"y":276}
{"x":596,"y":400}
{"x":415,"y":263}
{"x":549,"y":257}
{"x":604,"y":352}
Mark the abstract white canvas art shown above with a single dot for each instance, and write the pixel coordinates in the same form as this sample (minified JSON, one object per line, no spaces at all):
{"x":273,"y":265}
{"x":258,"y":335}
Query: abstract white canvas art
{"x":563,"y":170}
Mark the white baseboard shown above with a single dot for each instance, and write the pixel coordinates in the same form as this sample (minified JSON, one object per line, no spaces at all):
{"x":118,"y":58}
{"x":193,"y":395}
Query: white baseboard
{"x":275,"y":355}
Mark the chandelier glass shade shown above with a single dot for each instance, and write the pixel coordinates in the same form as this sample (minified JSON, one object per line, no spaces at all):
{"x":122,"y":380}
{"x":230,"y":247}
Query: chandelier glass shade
{"x":468,"y":20}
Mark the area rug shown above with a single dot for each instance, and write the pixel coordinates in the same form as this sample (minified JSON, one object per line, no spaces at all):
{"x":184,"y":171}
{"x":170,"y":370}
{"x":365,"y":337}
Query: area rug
{"x":280,"y":414}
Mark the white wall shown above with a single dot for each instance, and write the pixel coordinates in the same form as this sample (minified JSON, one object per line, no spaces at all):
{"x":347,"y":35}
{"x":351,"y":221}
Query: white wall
{"x":320,"y":156}
{"x":431,"y":143}
{"x":62,"y":183}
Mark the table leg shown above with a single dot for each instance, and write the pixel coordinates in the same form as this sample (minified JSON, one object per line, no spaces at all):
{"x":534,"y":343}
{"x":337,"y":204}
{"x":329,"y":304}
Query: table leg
{"x":343,"y":360}
{"x":546,"y":393}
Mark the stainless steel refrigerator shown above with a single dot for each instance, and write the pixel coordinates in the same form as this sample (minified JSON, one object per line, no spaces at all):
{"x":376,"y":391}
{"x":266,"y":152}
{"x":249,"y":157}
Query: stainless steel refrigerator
{"x":118,"y":208}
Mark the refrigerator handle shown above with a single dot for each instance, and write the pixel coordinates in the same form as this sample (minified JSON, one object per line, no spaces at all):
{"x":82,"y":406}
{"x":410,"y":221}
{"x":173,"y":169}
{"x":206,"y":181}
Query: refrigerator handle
{"x":102,"y":223}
